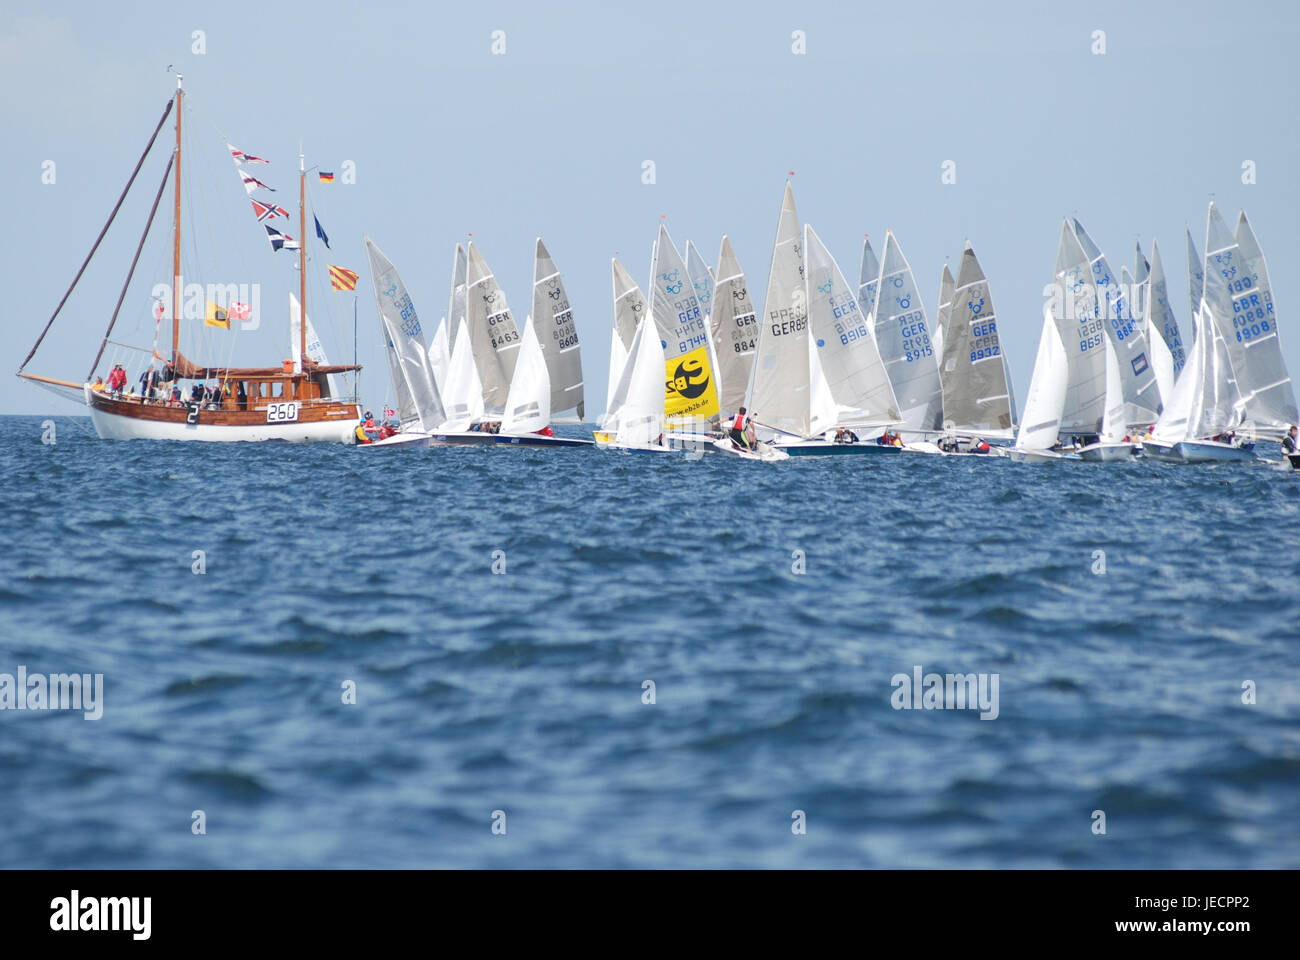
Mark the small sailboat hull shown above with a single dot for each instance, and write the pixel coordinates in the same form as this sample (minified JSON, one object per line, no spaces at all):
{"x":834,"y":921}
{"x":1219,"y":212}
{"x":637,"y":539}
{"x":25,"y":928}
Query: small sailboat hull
{"x":134,"y":419}
{"x":1211,"y":451}
{"x":1038,"y":456}
{"x":763,"y":452}
{"x":827,"y":448}
{"x":463,"y":438}
{"x":1107,"y":452}
{"x":533,"y":440}
{"x":410,"y":440}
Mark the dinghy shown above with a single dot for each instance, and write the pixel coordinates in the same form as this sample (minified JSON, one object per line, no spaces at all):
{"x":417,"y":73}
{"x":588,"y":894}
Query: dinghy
{"x":558,"y":338}
{"x":418,"y":402}
{"x":977,"y":402}
{"x":902,"y":336}
{"x":734,"y":328}
{"x":789,"y":398}
{"x":527,"y":416}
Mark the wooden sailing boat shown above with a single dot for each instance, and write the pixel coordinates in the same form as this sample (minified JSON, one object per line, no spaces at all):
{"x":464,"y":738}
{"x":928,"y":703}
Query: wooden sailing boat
{"x":287,"y":402}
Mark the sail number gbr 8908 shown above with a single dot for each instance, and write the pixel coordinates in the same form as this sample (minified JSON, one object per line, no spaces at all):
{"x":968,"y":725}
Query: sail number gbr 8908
{"x":282,"y":412}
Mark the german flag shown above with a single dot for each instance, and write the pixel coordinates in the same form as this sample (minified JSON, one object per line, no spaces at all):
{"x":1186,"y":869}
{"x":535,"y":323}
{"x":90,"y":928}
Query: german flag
{"x":326,"y":177}
{"x":341,"y":278}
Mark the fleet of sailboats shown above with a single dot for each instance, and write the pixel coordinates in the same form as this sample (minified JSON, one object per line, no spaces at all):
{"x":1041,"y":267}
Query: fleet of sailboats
{"x":695,"y":364}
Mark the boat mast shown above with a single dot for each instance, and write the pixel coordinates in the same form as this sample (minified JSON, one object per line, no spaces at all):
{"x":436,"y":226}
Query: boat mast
{"x":302,"y":265}
{"x":176,"y":233}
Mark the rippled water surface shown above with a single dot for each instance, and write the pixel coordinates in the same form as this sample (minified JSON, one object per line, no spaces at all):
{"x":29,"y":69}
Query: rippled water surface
{"x":522,"y":691}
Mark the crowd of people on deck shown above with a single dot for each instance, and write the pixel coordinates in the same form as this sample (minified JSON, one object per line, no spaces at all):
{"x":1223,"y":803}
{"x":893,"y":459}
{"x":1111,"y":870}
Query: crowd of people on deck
{"x":162,"y":386}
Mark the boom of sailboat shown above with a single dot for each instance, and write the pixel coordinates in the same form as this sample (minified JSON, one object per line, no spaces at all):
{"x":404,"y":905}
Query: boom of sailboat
{"x":697,"y":364}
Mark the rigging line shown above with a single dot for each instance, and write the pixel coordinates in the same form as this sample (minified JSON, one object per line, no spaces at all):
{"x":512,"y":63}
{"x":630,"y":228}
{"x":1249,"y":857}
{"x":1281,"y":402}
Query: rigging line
{"x":85,"y":263}
{"x":134,"y":260}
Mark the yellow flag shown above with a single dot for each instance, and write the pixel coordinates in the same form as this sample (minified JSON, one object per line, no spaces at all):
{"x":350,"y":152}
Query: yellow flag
{"x":691,"y":391}
{"x":216,"y":316}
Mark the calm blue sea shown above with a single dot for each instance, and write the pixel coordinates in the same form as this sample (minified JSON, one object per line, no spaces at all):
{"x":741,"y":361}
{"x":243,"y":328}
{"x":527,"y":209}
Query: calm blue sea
{"x":1120,"y":676}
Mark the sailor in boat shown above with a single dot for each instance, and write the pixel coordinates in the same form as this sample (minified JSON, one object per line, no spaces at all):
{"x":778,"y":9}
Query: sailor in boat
{"x":116,"y":381}
{"x":889,"y":439}
{"x":845,"y":435}
{"x":742,"y":431}
{"x":98,"y":385}
{"x":389,"y":429}
{"x":1289,"y":442}
{"x":359,"y":434}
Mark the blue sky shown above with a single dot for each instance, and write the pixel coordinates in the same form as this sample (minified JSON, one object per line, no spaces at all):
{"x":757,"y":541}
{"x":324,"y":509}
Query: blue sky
{"x":549,"y":140}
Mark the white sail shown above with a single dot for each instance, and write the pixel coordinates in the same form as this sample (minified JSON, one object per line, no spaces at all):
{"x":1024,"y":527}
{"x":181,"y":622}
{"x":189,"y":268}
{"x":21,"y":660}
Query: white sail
{"x":779,"y":388}
{"x":1113,"y":427}
{"x":557,"y":335}
{"x":440,"y":356}
{"x":493,"y":332}
{"x":903,"y":337}
{"x":1206,"y":400}
{"x":629,"y":309}
{"x":315,"y":349}
{"x":463,"y":398}
{"x":868,"y":280}
{"x":942,"y":315}
{"x":976,"y":392}
{"x":456,"y":305}
{"x":1159,"y":312}
{"x":1162,"y":363}
{"x":528,"y":404}
{"x":1080,"y":327}
{"x":701,"y":279}
{"x":1195,"y":280}
{"x":1240,"y":298}
{"x":419,"y":404}
{"x":1126,"y":335}
{"x":636,"y":413}
{"x":734,"y":329}
{"x":843,"y":347}
{"x":1041,"y":424}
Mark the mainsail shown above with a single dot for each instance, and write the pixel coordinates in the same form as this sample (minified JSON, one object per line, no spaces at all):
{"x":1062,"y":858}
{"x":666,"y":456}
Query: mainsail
{"x":1141,"y":392}
{"x":528,"y":404}
{"x":942,"y":316}
{"x":1112,"y":421}
{"x":418,"y":404}
{"x":1159,"y":312}
{"x":440,"y":356}
{"x":701,"y":279}
{"x":1240,"y":298}
{"x":779,"y":388}
{"x":843,"y":346}
{"x":903,"y":338}
{"x":1041,"y":425}
{"x":456,"y":305}
{"x":493,"y":333}
{"x":1205,"y":400}
{"x":1195,"y":279}
{"x":868,"y":280}
{"x":557,"y":334}
{"x":1162,"y":363}
{"x":691,"y":390}
{"x":1078,"y":323}
{"x":629,"y":309}
{"x":976,"y":396}
{"x":734,"y":329}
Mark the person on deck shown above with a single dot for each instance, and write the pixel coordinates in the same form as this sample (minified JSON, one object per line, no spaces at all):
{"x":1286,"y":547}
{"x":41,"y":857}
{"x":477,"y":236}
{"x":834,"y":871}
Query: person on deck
{"x":1290,"y":443}
{"x":116,"y":381}
{"x":387,"y":430}
{"x":98,"y":385}
{"x":360,"y":433}
{"x":175,"y":400}
{"x":742,"y":427}
{"x":147,"y":382}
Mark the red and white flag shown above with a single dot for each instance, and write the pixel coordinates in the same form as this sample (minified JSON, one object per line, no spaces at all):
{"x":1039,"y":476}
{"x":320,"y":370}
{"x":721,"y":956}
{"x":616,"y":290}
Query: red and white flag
{"x":251,"y":183}
{"x":281,"y":241}
{"x":239,"y":156}
{"x":238,"y":311}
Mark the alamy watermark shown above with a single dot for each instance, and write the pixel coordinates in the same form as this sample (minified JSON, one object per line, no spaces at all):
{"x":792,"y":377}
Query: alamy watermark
{"x":55,"y":691}
{"x":946,"y":691}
